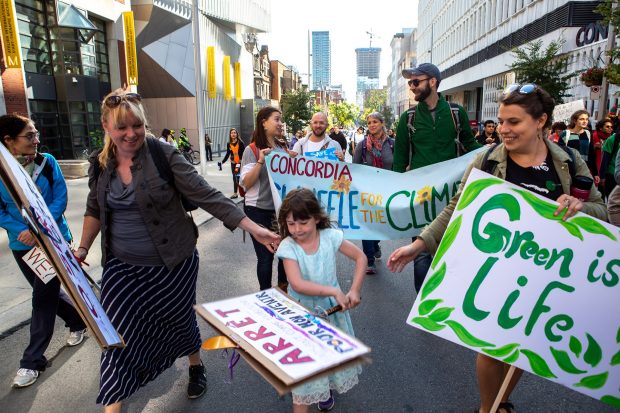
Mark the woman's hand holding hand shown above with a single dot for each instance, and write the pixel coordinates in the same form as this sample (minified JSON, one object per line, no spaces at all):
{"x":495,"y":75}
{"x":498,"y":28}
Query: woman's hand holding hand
{"x":569,"y":203}
{"x":26,"y":237}
{"x":401,"y":257}
{"x":269,"y":239}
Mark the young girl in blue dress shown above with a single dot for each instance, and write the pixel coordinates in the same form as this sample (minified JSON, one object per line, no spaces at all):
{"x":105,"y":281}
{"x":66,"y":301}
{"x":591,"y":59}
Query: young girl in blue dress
{"x":309,"y":249}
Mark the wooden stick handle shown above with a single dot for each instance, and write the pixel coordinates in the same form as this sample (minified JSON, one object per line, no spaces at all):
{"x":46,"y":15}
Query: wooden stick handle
{"x":333,"y":310}
{"x":502,"y":389}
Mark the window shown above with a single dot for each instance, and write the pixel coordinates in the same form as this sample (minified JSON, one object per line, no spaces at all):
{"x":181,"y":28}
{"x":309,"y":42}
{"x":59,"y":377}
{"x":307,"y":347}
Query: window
{"x":33,"y":36}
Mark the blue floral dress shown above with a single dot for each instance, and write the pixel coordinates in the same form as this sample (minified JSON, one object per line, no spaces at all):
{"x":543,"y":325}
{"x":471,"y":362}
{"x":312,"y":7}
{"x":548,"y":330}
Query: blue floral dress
{"x":320,"y":267}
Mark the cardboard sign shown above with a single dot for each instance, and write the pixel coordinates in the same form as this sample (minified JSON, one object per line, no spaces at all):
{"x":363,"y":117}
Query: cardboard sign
{"x":516,"y":283}
{"x":26,"y":196}
{"x":281,"y":335}
{"x":366,"y":202}
{"x":563,"y":112}
{"x":39,"y":264}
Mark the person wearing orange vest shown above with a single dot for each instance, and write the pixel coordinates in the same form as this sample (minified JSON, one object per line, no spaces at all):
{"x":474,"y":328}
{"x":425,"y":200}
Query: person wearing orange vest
{"x":234,"y":151}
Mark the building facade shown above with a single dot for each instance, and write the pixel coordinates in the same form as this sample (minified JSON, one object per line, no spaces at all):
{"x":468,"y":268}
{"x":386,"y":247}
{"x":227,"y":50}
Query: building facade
{"x":403,"y":46}
{"x":70,"y":60}
{"x":167,"y":72}
{"x":471,"y":41}
{"x":321,"y":60}
{"x":367,"y":69}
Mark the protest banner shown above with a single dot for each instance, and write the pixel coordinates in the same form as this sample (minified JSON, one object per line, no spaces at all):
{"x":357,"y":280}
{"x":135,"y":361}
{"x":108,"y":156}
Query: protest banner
{"x":366,"y":202}
{"x":281,"y":335}
{"x":563,"y":112}
{"x":41,"y":222}
{"x":512,"y":281}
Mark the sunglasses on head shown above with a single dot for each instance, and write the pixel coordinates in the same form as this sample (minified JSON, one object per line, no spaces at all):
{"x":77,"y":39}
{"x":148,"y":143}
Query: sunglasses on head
{"x":416,"y":82}
{"x":525,"y":89}
{"x":115,"y":100}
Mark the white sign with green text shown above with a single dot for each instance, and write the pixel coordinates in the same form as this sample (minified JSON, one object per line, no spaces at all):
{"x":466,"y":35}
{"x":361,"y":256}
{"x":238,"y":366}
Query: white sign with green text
{"x":512,"y":281}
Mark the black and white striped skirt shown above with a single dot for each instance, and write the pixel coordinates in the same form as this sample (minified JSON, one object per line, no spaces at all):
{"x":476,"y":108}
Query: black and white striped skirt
{"x":151,"y":307}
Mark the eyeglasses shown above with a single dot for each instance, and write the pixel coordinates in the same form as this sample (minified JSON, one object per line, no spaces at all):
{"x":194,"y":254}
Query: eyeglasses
{"x":30,"y":136}
{"x":115,"y":100}
{"x":525,"y":89}
{"x":416,"y":82}
{"x":608,"y":126}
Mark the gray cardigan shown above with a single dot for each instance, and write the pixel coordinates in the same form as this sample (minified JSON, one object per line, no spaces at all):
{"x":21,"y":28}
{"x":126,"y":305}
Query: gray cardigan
{"x":172,"y":230}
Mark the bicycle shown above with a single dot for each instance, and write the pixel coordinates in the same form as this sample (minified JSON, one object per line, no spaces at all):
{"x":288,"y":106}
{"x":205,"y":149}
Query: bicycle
{"x":190,"y":154}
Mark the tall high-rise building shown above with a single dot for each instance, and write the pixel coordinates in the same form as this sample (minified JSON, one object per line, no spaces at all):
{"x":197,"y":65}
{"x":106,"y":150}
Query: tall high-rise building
{"x":321,"y":60}
{"x":368,"y":59}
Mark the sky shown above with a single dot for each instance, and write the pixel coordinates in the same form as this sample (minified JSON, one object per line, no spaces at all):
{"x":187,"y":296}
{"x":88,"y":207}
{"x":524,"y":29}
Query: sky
{"x":347,"y":23}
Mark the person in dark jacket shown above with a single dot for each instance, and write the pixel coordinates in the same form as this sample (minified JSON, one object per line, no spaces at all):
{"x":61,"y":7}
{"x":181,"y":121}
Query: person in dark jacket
{"x":339,"y":137}
{"x":234,"y":151}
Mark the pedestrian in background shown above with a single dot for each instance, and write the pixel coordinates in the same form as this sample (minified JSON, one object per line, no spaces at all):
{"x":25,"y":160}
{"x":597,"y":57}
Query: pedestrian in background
{"x":164,"y":136}
{"x":556,"y":131}
{"x":608,"y":165}
{"x":613,"y":201}
{"x":577,"y":136}
{"x":254,"y":179}
{"x":309,"y":250}
{"x":234,"y":151}
{"x":339,"y":137}
{"x":298,"y":135}
{"x":599,"y":136}
{"x":426,"y":134}
{"x":527,"y":159}
{"x":489,"y":135}
{"x":376,"y":150}
{"x":149,"y":257}
{"x":21,"y":138}
{"x":208,"y":150}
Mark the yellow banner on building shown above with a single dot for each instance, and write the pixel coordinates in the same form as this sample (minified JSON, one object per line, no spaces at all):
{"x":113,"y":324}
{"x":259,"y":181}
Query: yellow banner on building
{"x":238,"y":82}
{"x":131,"y":56}
{"x":226,"y":74}
{"x":10,"y":39}
{"x":211,"y":85}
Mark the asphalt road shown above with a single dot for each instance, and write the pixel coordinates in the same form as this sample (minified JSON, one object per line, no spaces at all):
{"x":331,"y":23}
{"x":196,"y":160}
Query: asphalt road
{"x":411,"y":371}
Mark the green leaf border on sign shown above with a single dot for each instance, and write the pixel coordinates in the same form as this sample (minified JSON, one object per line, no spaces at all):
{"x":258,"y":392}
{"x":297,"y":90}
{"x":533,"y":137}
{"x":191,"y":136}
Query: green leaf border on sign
{"x":436,"y":319}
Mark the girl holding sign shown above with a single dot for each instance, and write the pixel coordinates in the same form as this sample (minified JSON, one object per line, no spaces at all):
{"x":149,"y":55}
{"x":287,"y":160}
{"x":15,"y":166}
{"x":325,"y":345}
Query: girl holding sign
{"x":21,"y":138}
{"x":309,"y":253}
{"x":527,"y":159}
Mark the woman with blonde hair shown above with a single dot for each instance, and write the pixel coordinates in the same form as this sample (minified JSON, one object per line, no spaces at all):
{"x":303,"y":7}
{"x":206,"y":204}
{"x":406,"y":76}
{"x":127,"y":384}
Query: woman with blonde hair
{"x":149,"y":257}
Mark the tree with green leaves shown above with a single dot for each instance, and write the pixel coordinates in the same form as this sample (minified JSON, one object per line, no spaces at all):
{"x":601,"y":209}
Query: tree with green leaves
{"x":611,"y":15}
{"x":343,"y":114}
{"x":296,"y":109}
{"x":376,"y":101}
{"x":543,"y":67}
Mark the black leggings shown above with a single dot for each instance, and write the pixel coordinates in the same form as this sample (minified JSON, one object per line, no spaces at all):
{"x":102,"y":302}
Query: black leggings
{"x":235,"y":176}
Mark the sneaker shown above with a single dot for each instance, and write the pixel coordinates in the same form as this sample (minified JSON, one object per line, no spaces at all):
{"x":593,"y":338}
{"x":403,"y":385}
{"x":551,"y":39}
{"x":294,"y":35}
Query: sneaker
{"x":76,"y":337}
{"x":371,"y":269}
{"x":328,"y":404}
{"x":233,"y":196}
{"x":378,"y":252}
{"x":197,"y":385}
{"x":25,"y":377}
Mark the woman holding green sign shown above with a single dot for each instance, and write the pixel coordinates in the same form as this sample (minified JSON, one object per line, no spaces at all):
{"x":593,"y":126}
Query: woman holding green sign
{"x":524,"y":158}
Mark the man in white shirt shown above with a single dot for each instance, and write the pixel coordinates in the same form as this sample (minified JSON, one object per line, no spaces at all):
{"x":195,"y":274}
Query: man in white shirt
{"x":317,"y":140}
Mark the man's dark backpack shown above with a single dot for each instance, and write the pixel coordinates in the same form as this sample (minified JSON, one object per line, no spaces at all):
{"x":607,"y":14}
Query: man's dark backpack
{"x":454,"y":111}
{"x":163,"y":168}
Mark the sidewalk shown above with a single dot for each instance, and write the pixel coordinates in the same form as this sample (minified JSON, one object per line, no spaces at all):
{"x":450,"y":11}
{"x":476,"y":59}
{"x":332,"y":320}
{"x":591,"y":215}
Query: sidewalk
{"x":16,"y":293}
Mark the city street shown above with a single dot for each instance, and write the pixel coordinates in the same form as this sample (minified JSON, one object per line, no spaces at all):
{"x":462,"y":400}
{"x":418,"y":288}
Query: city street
{"x":411,"y":371}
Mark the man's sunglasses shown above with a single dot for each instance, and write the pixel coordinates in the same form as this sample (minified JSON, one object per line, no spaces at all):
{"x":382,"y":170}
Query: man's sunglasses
{"x":525,"y":89}
{"x":115,"y":100}
{"x":416,"y":82}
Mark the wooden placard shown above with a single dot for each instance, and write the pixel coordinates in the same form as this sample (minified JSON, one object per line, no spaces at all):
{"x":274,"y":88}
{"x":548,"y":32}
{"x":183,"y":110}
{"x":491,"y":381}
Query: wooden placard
{"x":41,"y":222}
{"x":282,"y":336}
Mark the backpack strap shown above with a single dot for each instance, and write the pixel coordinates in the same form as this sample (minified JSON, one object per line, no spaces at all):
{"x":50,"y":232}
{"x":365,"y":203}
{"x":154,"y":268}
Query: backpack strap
{"x":456,"y":119}
{"x":254,"y":149}
{"x":364,"y":150}
{"x":159,"y":158}
{"x":487,"y":165}
{"x":571,"y":163}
